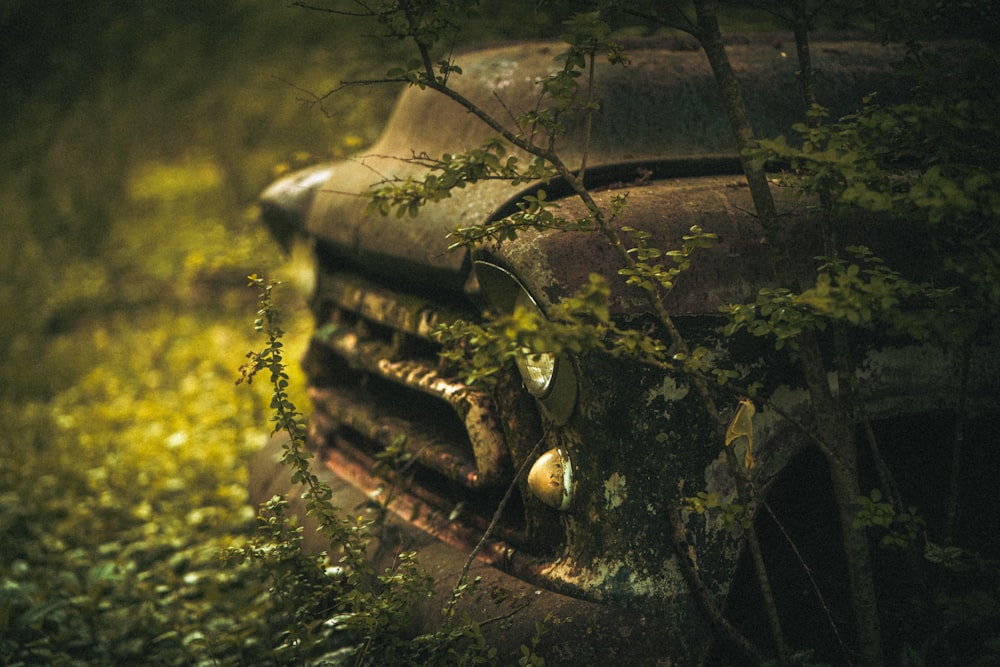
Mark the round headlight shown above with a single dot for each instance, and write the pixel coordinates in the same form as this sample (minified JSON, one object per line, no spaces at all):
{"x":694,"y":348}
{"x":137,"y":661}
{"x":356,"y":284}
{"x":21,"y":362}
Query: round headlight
{"x":548,"y":377}
{"x":539,"y":368}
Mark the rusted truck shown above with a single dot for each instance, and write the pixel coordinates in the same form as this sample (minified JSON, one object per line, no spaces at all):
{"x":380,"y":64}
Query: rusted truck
{"x":587,"y":541}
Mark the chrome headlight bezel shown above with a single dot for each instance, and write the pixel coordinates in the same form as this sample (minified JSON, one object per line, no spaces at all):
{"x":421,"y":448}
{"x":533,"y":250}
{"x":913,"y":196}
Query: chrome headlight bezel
{"x":550,"y":378}
{"x":538,"y":369}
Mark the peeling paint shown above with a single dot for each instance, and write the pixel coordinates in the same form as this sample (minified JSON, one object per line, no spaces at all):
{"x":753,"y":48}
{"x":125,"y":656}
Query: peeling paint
{"x":615,"y":491}
{"x":669,"y":391}
{"x":615,"y":580}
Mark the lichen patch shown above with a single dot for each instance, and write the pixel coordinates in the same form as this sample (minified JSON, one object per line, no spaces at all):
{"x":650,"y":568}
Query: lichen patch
{"x":615,"y":491}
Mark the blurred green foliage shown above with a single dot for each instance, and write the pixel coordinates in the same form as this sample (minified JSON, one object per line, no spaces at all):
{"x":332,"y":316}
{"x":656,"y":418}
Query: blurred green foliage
{"x":133,"y":141}
{"x":118,"y":492}
{"x":135,"y":138}
{"x":115,"y":117}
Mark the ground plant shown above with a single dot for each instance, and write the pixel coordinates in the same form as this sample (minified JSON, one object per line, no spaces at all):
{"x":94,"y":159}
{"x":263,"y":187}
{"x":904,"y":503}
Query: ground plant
{"x":133,"y":146}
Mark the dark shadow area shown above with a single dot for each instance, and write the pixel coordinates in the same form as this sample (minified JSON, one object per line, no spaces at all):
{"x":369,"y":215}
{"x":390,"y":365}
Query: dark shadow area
{"x":911,"y":583}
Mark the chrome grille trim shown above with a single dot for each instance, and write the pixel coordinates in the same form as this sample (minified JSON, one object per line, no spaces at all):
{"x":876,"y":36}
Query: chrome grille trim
{"x":370,"y":329}
{"x":406,"y":313}
{"x":432,"y":449}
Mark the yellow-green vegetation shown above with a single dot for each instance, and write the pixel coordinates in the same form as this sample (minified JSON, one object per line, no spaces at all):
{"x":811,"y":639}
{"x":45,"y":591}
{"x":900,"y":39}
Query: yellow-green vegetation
{"x":134,"y":143}
{"x":118,"y":494}
{"x":126,"y":439}
{"x":128,"y":232}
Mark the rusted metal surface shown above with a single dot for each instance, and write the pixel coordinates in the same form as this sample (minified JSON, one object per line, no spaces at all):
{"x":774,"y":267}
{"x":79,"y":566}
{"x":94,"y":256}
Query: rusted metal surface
{"x":481,"y":459}
{"x":664,"y":104}
{"x":435,"y":449}
{"x":420,"y":507}
{"x":638,"y":437}
{"x":285,"y":203}
{"x":406,"y":313}
{"x":577,"y":632}
{"x":553,"y":265}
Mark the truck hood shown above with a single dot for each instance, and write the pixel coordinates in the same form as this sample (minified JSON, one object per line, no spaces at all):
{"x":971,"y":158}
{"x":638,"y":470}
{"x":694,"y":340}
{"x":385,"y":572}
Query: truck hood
{"x":661,"y":106}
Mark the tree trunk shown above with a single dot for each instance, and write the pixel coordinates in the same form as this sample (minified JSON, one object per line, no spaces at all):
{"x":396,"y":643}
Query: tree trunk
{"x":842,"y":459}
{"x":831,"y":420}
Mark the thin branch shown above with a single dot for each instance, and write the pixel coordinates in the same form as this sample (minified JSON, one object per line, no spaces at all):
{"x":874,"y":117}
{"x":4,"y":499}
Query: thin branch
{"x":677,"y":19}
{"x":463,"y":577}
{"x":747,"y":492}
{"x":683,"y":551}
{"x":812,"y":579}
{"x":339,"y":12}
{"x":589,"y":119}
{"x":313,"y":99}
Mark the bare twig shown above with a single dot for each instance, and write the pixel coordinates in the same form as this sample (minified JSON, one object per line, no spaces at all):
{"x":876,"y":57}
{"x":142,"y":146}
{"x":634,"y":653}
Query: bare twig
{"x":464,"y":575}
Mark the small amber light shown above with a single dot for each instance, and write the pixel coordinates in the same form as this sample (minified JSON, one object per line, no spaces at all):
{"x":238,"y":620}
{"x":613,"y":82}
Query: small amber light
{"x":551,"y":479}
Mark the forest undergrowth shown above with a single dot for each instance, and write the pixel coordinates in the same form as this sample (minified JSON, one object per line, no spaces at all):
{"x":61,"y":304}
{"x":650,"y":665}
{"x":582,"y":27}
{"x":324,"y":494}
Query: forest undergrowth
{"x":133,"y":144}
{"x":125,"y":447}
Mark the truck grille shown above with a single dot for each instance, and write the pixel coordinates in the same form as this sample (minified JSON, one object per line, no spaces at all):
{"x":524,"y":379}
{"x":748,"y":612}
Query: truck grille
{"x":376,"y":382}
